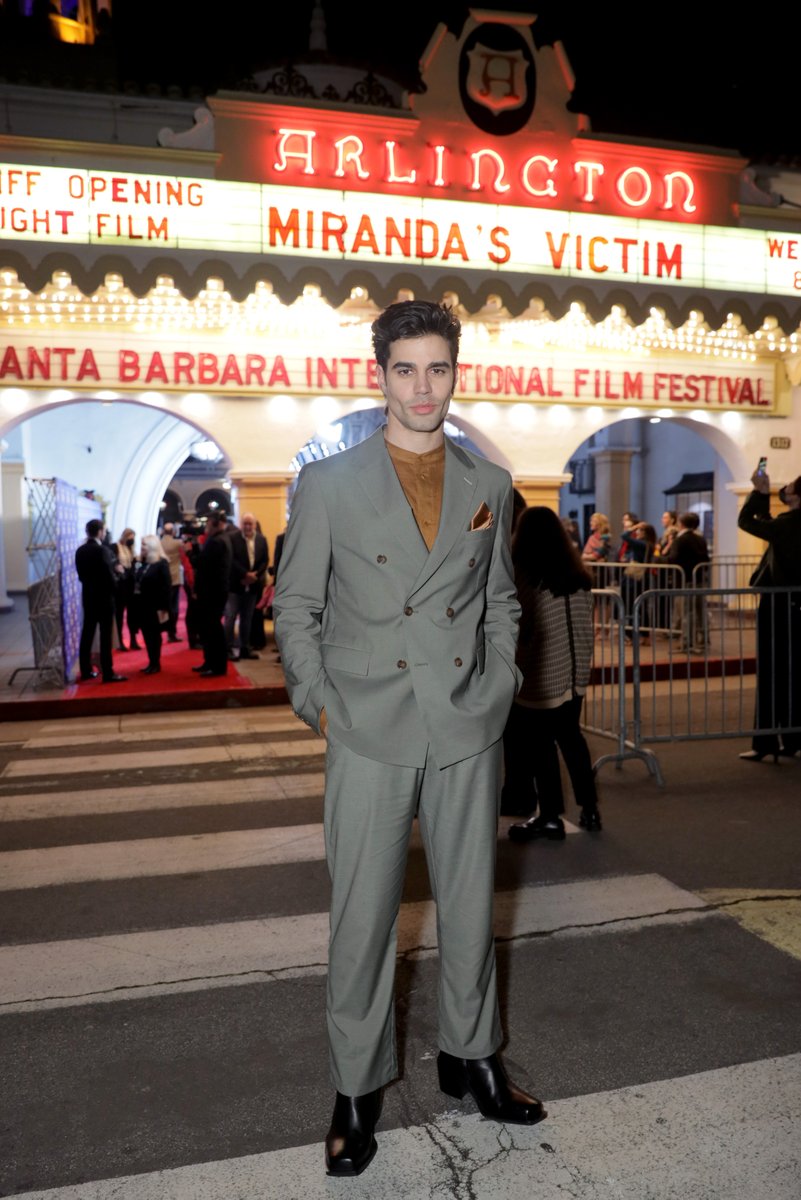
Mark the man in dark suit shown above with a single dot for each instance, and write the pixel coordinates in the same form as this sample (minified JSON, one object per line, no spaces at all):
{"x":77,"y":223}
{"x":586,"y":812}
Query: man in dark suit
{"x":94,"y":562}
{"x":687,"y":550}
{"x":778,"y":704}
{"x":212,"y":573}
{"x":249,"y":561}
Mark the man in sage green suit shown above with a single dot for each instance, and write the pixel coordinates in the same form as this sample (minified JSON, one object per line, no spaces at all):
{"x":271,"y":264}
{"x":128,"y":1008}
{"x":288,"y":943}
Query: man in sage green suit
{"x":396,"y":620}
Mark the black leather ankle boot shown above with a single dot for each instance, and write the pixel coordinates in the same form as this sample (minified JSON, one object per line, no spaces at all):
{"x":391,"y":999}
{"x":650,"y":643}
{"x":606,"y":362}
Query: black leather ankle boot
{"x":350,"y":1145}
{"x":486,"y":1081}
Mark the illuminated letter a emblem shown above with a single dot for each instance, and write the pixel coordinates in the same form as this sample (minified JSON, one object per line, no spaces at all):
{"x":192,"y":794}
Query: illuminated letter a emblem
{"x":496,"y":78}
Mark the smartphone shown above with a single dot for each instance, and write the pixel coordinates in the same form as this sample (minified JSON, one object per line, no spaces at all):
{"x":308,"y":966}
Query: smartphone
{"x":763,"y":462}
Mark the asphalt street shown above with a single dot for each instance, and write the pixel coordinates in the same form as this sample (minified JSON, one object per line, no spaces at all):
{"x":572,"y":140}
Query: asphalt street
{"x":162,"y":976}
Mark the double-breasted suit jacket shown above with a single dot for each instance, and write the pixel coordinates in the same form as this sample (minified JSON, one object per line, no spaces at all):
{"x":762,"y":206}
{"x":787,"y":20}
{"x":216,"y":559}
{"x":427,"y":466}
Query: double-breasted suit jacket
{"x":404,"y":648}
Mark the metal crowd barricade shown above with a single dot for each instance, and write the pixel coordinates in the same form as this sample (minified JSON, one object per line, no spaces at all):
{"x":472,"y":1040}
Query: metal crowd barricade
{"x":613,"y":575}
{"x":729,"y":678}
{"x":605,"y":709}
{"x":726,"y":571}
{"x":701,"y":663}
{"x":660,"y":575}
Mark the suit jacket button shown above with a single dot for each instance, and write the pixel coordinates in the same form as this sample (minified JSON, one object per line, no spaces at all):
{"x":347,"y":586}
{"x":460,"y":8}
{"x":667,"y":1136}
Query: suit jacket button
{"x":408,"y":610}
{"x":382,"y":558}
{"x":457,"y":662}
{"x":448,"y":612}
{"x":472,"y":562}
{"x":402,"y":663}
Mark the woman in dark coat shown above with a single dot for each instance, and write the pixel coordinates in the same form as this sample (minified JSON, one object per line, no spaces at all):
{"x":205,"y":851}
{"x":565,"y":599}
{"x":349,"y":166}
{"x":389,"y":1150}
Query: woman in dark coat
{"x":555,"y":649}
{"x":153,"y":591}
{"x":123,"y":551}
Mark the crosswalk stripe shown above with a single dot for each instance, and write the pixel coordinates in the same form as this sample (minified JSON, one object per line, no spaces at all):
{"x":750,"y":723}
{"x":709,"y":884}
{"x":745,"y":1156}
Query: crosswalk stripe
{"x":160,"y":724}
{"x":162,"y":733}
{"x":160,"y":856}
{"x":235,"y":752}
{"x":52,"y":866}
{"x":40,"y":805}
{"x":625,"y":1143}
{"x":196,"y":957}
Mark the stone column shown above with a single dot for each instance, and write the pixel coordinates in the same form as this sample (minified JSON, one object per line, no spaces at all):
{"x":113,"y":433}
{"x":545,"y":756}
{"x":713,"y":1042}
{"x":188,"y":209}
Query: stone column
{"x":541,"y":490}
{"x":265,"y":495}
{"x":613,"y":483}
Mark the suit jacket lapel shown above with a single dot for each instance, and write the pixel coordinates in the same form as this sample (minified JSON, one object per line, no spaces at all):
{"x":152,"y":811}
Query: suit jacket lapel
{"x":458,"y":496}
{"x":380,"y":482}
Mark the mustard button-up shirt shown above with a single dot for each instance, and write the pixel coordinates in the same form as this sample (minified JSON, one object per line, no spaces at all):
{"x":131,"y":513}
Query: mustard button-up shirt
{"x":422,"y":477}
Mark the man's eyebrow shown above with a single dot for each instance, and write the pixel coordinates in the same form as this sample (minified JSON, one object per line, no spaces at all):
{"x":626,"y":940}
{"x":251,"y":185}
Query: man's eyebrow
{"x":441,"y":362}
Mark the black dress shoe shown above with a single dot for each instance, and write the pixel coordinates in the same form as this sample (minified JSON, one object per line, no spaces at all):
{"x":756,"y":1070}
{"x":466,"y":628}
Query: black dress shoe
{"x":248,"y":654}
{"x":91,"y":675}
{"x":207,"y":673}
{"x":590,"y":818}
{"x":174,"y":639}
{"x":538,"y":827}
{"x":150,"y":670}
{"x":758,"y":755}
{"x":200,"y":667}
{"x":114,"y":678}
{"x":135,"y":645}
{"x":486,"y":1081}
{"x":350,"y":1145}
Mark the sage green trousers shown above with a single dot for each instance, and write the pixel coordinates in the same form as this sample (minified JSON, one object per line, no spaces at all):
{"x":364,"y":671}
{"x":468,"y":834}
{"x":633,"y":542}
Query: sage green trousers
{"x":369,"y":814}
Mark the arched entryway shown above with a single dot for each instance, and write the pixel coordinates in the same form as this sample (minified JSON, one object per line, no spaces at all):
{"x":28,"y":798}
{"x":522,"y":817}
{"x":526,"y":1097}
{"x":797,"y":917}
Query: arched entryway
{"x":124,"y":453}
{"x":648,"y":464}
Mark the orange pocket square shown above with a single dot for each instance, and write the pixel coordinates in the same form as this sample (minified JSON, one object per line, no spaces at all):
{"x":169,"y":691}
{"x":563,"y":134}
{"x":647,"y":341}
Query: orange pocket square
{"x":482,"y":519}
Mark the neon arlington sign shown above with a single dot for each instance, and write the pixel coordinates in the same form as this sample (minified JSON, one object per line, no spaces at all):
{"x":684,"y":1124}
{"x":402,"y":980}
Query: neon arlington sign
{"x":484,"y":171}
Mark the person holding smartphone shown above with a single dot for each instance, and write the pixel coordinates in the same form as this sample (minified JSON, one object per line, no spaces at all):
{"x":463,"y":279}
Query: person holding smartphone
{"x":778,"y":702}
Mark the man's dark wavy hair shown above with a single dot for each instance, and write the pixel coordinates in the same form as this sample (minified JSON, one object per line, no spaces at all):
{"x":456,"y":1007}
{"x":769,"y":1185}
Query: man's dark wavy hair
{"x":415,"y":319}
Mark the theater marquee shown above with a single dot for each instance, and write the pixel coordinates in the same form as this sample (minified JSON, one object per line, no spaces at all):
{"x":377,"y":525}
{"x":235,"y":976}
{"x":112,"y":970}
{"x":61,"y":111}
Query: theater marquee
{"x":92,"y":361}
{"x":63,"y":206}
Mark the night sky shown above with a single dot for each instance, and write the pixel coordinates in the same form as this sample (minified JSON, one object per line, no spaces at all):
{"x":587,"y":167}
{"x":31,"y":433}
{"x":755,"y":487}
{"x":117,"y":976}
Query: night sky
{"x":701,"y":74}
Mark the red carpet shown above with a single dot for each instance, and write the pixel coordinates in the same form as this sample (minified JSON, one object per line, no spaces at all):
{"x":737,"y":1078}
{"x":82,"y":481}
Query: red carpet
{"x":176,"y":675}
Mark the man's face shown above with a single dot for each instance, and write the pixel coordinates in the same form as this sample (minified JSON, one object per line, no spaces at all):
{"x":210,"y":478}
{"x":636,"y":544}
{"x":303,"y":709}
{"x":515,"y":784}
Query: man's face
{"x":417,"y":385}
{"x":248,"y":526}
{"x":665,"y":519}
{"x":790,"y":497}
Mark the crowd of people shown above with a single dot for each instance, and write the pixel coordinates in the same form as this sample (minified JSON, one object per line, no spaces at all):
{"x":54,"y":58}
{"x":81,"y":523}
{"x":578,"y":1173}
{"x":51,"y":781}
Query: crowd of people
{"x":638,"y":540}
{"x":222,"y":571}
{"x":631,"y":565}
